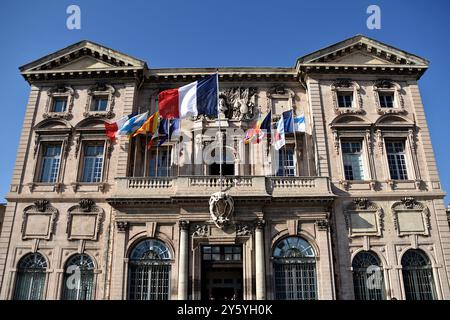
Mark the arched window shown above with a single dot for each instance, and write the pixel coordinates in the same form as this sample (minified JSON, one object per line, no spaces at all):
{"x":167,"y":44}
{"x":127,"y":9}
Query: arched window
{"x":78,"y":278}
{"x":149,"y":271}
{"x":367,"y":277}
{"x":30,"y":277}
{"x":417,"y":276}
{"x":294,"y":265}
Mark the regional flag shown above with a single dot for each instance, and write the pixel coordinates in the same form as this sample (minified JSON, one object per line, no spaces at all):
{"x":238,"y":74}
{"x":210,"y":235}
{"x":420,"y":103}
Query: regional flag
{"x":111,"y":129}
{"x":149,"y":126}
{"x":131,"y":125}
{"x":257,"y":131}
{"x":193,"y":99}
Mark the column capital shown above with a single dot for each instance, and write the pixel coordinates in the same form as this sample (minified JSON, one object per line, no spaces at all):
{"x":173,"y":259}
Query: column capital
{"x":259,"y":224}
{"x":322,"y":224}
{"x":122,"y":226}
{"x":184,"y":224}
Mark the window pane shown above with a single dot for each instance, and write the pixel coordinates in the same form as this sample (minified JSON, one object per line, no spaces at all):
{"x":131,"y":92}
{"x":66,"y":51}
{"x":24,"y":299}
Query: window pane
{"x":92,"y":163}
{"x":99,"y":104}
{"x":160,"y":162}
{"x":80,"y":287}
{"x":59,"y":105}
{"x":345,"y":99}
{"x":50,"y":163}
{"x":417,"y":276}
{"x":31,"y":276}
{"x":386,"y":100}
{"x":353,"y":162}
{"x":294,"y":270}
{"x":396,"y":160}
{"x":286,"y":166}
{"x":367,"y":277}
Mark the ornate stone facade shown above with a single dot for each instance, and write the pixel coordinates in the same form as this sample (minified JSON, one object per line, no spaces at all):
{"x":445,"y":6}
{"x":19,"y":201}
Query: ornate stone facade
{"x":362,"y":179}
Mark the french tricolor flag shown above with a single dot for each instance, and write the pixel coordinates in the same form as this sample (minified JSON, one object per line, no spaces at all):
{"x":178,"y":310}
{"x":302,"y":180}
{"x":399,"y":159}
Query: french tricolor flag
{"x":193,"y":99}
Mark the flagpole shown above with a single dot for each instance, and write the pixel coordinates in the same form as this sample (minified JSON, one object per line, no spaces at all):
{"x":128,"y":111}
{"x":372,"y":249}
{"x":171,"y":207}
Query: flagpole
{"x":297,"y":169}
{"x":220,"y":132}
{"x":145,"y":155}
{"x":168,"y":144}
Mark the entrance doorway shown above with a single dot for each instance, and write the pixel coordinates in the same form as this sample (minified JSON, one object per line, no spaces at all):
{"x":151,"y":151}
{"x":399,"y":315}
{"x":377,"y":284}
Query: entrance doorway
{"x":222,"y":272}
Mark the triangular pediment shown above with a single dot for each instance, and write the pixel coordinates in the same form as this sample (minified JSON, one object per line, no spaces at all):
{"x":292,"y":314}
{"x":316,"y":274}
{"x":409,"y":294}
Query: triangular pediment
{"x":361,"y":58}
{"x":82,"y":56}
{"x":361,"y":51}
{"x":85,"y":63}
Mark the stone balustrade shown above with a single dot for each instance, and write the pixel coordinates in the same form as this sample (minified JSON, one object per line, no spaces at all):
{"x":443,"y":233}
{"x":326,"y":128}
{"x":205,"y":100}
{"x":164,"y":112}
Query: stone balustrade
{"x":194,"y":186}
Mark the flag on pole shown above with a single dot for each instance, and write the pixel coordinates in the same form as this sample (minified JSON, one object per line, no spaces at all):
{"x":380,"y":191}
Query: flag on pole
{"x":131,"y":125}
{"x":279,"y":139}
{"x":111,"y":129}
{"x":288,"y":117}
{"x":299,"y":123}
{"x":149,"y":126}
{"x":256,"y":133}
{"x":193,"y":99}
{"x":166,"y":131}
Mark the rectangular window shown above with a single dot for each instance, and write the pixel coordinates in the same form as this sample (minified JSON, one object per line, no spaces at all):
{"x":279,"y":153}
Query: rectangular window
{"x":99,"y":104}
{"x":160,"y":162}
{"x":353,"y":160}
{"x":50,"y":160}
{"x":92,"y":162}
{"x":386,"y":99}
{"x":286,"y":163}
{"x":59,"y":104}
{"x":397,"y":160}
{"x":345,"y":99}
{"x":222,"y":253}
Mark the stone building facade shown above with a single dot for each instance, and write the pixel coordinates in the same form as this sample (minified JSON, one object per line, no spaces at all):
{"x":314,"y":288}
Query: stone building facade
{"x":350,"y":209}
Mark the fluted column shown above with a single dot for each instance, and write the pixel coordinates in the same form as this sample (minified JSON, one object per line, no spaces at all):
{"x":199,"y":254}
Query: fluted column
{"x":183,"y":261}
{"x":259,"y":260}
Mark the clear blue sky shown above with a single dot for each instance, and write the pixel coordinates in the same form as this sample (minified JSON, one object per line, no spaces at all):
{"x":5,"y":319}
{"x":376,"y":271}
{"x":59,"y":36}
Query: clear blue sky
{"x":211,"y":33}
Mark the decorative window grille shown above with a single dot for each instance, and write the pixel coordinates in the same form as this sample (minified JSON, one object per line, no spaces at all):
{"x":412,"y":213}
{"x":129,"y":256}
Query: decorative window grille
{"x":31,"y":276}
{"x":92,"y":163}
{"x":368,"y":277}
{"x":286,"y":162}
{"x":295,"y":270}
{"x":78,"y":278}
{"x":51,"y":158}
{"x":417,"y":276}
{"x":149,"y":271}
{"x":353,"y":161}
{"x":397,"y":160}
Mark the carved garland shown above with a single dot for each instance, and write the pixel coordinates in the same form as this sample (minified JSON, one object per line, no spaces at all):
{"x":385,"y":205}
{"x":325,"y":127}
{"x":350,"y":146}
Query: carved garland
{"x":388,"y":86}
{"x":101,"y":90}
{"x":59,"y":92}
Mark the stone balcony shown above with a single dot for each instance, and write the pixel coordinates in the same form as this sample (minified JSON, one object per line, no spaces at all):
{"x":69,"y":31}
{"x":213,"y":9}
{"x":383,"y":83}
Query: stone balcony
{"x":236,"y":186}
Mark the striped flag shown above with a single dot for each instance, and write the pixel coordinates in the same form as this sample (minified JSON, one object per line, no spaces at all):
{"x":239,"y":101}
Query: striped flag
{"x":150,"y":126}
{"x":193,"y":99}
